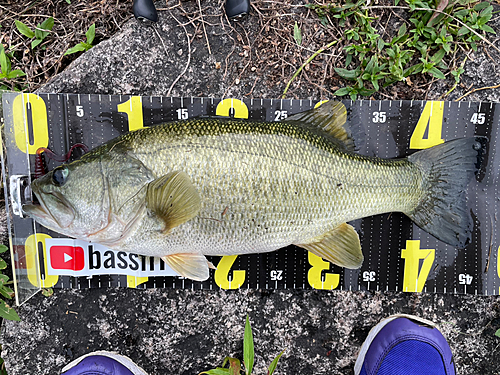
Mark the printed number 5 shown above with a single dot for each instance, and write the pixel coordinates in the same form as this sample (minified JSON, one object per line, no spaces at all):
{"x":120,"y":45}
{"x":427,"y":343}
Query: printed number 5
{"x":79,"y":110}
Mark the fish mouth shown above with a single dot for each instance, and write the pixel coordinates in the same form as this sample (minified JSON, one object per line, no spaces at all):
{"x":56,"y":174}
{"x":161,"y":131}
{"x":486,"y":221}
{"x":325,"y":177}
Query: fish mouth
{"x":60,"y":215}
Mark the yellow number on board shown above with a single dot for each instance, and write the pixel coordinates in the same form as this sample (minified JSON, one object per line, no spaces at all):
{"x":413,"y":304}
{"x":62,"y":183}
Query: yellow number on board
{"x":319,"y":103}
{"x":222,"y":274}
{"x":33,"y":261}
{"x":498,"y":265}
{"x":432,"y":120}
{"x":133,"y":281}
{"x":314,"y":274}
{"x":38,"y":120}
{"x":415,"y":276}
{"x":133,"y":109}
{"x":224,"y":108}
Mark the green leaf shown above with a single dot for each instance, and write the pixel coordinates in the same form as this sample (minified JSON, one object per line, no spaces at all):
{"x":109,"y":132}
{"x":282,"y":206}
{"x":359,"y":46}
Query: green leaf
{"x":3,"y":264}
{"x":38,"y":34}
{"x":41,"y":34}
{"x":248,"y":350}
{"x":347,"y":74}
{"x":216,"y":371}
{"x":3,"y":249}
{"x":463,"y":30}
{"x":482,"y":5}
{"x":35,"y":43}
{"x":348,"y":59}
{"x":86,"y":45}
{"x":438,"y":56}
{"x":6,"y":291}
{"x":4,"y":62}
{"x":90,"y":34}
{"x":437,"y":73}
{"x":16,"y":73}
{"x":366,"y":92}
{"x":48,"y":24}
{"x":497,"y":333}
{"x":402,"y":30}
{"x":461,"y":13}
{"x":8,"y":312}
{"x":297,"y":34}
{"x":3,"y":279}
{"x":380,"y":44}
{"x":68,"y":1}
{"x":342,"y":91}
{"x":488,"y":29}
{"x":274,"y":363}
{"x":24,"y":29}
{"x":78,"y":48}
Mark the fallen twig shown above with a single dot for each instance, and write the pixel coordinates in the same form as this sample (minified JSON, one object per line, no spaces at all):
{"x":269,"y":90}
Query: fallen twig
{"x":189,"y":56}
{"x":478,"y":89}
{"x":204,"y":30}
{"x":303,"y":65}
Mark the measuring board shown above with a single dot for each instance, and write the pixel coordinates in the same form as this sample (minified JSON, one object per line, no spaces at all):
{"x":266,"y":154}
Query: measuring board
{"x":398,"y":255}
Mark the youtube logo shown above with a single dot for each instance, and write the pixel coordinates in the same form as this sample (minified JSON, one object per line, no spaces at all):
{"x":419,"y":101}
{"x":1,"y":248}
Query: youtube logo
{"x":67,"y":258}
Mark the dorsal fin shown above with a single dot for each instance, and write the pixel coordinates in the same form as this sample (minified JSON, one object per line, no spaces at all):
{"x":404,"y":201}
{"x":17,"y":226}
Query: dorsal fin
{"x":331,"y":117}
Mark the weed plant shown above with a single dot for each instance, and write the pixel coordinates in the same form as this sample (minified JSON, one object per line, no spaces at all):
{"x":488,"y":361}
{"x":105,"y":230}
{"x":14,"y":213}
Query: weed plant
{"x":424,"y":44}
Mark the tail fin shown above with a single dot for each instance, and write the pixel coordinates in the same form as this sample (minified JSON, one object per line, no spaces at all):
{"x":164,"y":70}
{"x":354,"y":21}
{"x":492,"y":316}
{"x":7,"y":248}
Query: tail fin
{"x":447,"y":170}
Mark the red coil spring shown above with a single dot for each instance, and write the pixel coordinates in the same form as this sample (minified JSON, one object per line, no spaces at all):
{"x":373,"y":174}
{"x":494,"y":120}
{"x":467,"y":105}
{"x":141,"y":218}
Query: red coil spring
{"x":39,"y":164}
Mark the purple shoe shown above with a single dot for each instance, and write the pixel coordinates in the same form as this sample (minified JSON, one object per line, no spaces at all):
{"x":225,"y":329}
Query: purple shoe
{"x":405,"y":345}
{"x":102,"y":363}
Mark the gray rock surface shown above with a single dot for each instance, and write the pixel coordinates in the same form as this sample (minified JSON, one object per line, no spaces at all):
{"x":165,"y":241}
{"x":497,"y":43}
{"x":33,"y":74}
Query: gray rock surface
{"x":185,"y":332}
{"x":146,"y":60}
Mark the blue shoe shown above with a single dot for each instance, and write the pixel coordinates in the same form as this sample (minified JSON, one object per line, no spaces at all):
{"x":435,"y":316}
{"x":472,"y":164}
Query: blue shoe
{"x":102,"y":363}
{"x":405,"y":345}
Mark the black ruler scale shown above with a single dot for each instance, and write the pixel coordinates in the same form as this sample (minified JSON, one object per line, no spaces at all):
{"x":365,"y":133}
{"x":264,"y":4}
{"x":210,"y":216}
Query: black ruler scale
{"x":398,"y":255}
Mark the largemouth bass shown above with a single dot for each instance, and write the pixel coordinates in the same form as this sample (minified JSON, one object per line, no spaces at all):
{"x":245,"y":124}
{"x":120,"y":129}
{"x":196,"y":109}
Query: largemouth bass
{"x":220,"y":186}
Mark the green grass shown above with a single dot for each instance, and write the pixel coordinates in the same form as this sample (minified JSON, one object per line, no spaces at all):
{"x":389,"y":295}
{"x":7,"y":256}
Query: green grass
{"x":234,"y":364}
{"x":426,"y":43}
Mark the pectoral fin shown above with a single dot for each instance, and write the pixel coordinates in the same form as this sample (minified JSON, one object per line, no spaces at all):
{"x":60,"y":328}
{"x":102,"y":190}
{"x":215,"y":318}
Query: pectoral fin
{"x":340,"y":246}
{"x":192,"y":266}
{"x":173,"y":198}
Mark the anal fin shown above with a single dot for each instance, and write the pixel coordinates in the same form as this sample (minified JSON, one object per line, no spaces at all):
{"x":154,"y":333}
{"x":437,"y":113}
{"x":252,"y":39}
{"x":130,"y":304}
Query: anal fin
{"x":340,"y":246}
{"x":191,"y":265}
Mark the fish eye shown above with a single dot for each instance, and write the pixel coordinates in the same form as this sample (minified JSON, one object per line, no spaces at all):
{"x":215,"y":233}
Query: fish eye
{"x":60,"y":175}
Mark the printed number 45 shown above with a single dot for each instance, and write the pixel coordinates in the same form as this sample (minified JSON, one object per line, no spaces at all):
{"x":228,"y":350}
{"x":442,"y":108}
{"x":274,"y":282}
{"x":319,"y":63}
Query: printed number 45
{"x":478,"y":118}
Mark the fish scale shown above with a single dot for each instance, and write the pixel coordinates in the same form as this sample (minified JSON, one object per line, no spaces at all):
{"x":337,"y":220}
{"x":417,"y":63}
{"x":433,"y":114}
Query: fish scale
{"x":283,"y":186}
